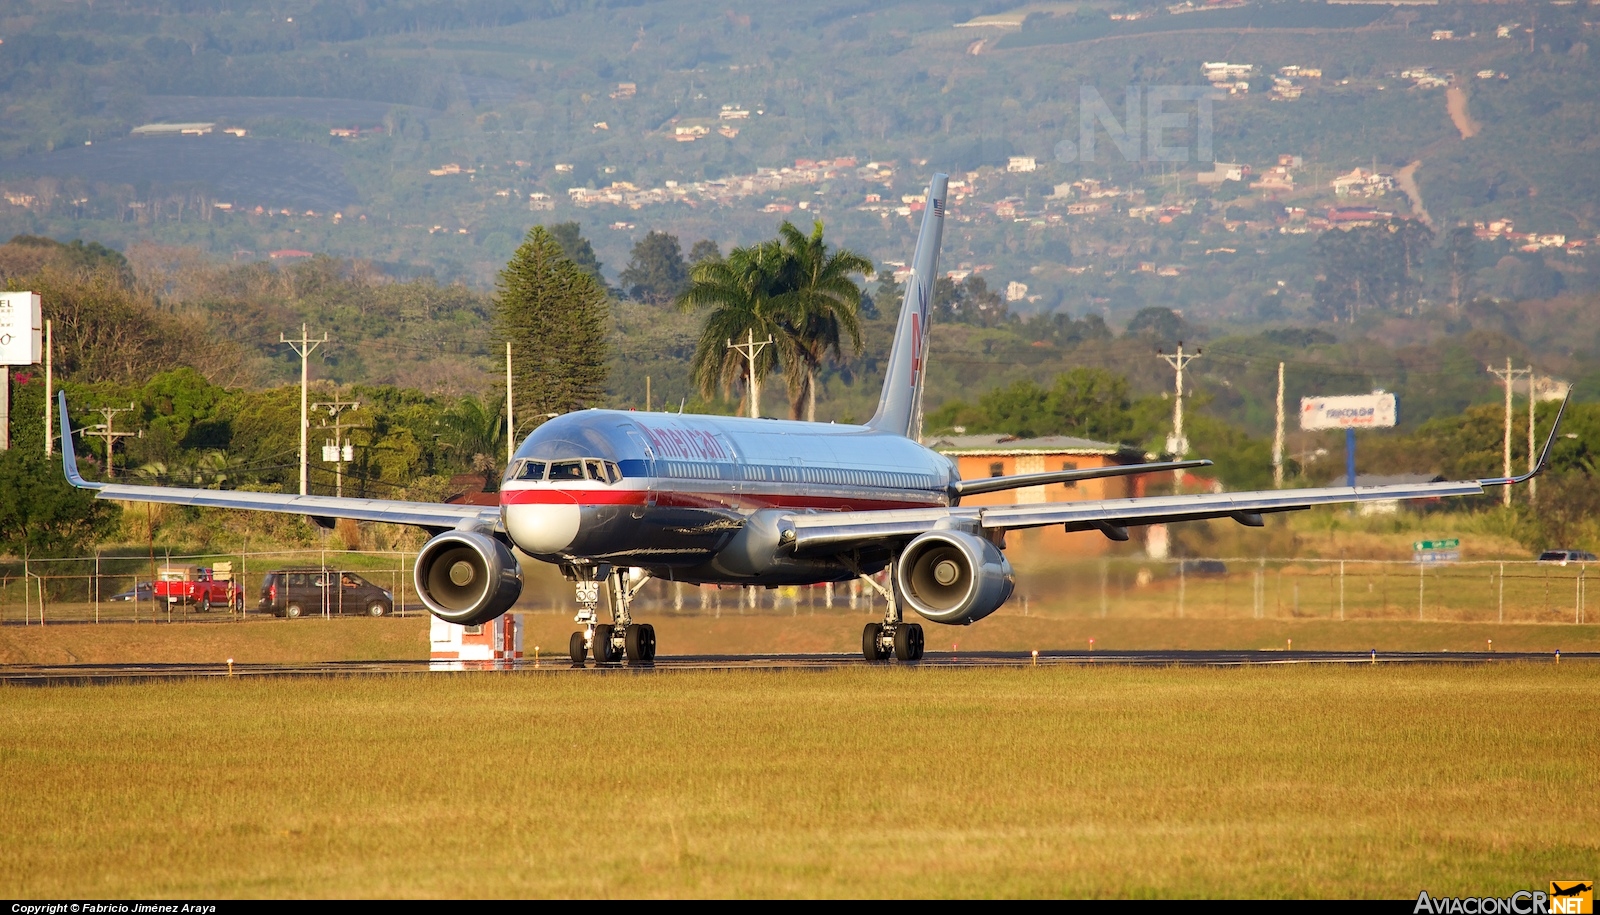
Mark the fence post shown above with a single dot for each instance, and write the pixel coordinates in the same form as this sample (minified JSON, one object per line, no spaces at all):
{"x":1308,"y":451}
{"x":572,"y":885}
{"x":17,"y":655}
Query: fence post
{"x":1182,"y":581}
{"x":1422,"y":579}
{"x":1105,"y":571}
{"x":1577,"y":598}
{"x":97,"y":586}
{"x":1502,"y":613}
{"x":1341,"y":590}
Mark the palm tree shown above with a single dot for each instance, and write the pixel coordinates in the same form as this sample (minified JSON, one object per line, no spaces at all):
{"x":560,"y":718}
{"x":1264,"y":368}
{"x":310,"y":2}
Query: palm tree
{"x":475,"y":427}
{"x":818,"y":309}
{"x":740,"y":291}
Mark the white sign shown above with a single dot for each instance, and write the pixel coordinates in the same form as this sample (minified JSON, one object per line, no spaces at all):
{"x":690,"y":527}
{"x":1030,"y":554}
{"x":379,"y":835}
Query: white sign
{"x":1359,"y":411}
{"x":21,"y":328}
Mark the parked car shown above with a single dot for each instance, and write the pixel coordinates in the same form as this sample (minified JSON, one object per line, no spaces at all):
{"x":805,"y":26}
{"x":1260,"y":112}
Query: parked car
{"x":294,"y":593}
{"x":142,"y":591}
{"x":193,"y":586}
{"x":1562,"y":557}
{"x":1203,"y":567}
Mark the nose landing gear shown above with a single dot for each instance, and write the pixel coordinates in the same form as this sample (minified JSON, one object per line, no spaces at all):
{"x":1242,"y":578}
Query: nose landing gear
{"x":622,"y":637}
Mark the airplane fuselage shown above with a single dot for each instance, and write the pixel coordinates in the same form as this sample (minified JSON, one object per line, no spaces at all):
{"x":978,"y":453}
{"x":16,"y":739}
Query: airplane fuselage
{"x":677,"y":494}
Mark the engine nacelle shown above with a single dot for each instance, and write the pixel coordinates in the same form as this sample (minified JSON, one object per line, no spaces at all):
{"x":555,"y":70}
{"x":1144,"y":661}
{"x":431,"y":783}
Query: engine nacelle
{"x":953,"y":577}
{"x":467,"y":578}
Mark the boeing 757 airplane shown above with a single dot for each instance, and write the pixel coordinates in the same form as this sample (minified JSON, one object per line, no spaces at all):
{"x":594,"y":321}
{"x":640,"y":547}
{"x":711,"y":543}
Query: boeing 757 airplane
{"x":620,"y":497}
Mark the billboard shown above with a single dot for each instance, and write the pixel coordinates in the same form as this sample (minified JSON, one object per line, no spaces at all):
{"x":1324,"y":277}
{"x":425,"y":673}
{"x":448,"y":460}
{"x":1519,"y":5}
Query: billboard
{"x":21,"y":323}
{"x":1357,"y":411}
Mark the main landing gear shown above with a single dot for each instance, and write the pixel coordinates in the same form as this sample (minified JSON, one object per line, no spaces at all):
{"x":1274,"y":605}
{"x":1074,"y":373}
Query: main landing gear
{"x":894,"y":635}
{"x":622,"y":637}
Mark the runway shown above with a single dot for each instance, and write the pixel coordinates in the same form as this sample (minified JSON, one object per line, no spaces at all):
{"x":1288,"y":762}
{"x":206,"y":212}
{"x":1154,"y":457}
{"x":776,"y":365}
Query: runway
{"x":100,"y":674}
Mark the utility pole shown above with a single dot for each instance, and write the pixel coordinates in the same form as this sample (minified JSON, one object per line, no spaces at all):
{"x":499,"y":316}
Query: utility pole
{"x":341,"y":449}
{"x":303,"y":348}
{"x":511,"y":412}
{"x":110,"y":434}
{"x":49,"y":397}
{"x":750,"y":348}
{"x":1277,"y":437}
{"x":1179,"y":446}
{"x":1533,"y":405}
{"x":1508,"y":377}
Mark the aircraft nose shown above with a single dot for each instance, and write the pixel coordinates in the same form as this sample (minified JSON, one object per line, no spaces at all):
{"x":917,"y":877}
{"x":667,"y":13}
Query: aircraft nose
{"x":540,"y":520}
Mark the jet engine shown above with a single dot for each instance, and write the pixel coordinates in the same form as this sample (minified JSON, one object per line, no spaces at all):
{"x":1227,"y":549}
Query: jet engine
{"x":467,"y":578}
{"x":953,"y":577}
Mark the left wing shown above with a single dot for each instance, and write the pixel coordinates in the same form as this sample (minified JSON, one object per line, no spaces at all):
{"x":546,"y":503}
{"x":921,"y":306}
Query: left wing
{"x":835,"y":531}
{"x":434,"y":516}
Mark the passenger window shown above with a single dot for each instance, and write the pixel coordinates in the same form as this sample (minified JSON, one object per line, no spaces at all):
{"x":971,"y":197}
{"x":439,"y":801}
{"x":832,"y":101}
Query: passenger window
{"x":566,"y":471}
{"x":297,"y":581}
{"x":531,"y":470}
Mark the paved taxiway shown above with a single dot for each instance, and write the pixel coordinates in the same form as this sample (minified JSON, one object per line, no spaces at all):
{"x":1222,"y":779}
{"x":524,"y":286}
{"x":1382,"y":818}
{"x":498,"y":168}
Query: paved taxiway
{"x":87,"y":674}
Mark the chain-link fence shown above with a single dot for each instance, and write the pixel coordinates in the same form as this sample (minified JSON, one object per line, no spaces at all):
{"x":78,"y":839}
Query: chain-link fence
{"x":109,"y":588}
{"x":117,"y":588}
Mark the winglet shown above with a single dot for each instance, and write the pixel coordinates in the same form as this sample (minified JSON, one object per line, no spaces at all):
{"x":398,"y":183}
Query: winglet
{"x":69,"y":454}
{"x":1544,"y":456}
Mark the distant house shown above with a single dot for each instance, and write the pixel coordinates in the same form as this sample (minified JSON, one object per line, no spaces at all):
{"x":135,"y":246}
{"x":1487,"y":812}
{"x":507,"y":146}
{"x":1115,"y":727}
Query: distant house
{"x":982,"y":456}
{"x":1022,"y":164}
{"x":625,"y":91}
{"x":197,"y":129}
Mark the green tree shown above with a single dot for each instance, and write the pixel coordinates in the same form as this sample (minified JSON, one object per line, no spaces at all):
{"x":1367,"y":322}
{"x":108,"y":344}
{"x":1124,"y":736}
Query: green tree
{"x":656,"y":273}
{"x":705,"y":249}
{"x":553,"y":313}
{"x":820,"y":309}
{"x":1158,"y":323}
{"x":43,"y":515}
{"x":739,"y":291}
{"x":577,"y":249}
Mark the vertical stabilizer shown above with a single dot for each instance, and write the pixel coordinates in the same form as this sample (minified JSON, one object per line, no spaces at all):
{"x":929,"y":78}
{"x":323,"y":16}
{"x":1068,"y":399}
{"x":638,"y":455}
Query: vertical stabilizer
{"x":900,"y":407}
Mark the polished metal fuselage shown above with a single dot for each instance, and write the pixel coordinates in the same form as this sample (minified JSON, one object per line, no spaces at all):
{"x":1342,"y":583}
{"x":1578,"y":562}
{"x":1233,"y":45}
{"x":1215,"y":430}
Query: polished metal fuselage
{"x":697,"y":492}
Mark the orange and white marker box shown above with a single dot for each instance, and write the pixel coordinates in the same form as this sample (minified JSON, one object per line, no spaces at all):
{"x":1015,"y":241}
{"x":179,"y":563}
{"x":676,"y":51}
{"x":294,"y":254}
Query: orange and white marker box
{"x":492,"y":645}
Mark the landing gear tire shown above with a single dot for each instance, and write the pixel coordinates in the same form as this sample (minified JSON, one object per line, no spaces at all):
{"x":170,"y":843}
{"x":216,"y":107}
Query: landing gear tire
{"x":908,"y":642}
{"x":602,"y":644}
{"x":577,"y":649}
{"x":871,"y":649}
{"x":639,"y":642}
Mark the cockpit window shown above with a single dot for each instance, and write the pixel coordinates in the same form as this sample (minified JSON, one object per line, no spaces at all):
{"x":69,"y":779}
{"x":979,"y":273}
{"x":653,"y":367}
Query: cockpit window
{"x":531,"y":470}
{"x":566,"y":471}
{"x":597,"y":470}
{"x":615,"y":471}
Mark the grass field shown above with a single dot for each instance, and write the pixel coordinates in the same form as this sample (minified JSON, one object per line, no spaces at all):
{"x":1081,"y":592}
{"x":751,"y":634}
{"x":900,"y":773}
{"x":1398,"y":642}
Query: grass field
{"x":891,"y":782}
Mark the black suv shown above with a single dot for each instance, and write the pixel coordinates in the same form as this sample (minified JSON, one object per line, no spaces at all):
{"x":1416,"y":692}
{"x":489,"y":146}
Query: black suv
{"x":307,"y":592}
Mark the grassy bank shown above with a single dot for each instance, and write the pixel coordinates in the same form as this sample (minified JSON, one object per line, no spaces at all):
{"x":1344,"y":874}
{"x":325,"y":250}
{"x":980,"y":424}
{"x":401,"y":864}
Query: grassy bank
{"x":879,"y":782}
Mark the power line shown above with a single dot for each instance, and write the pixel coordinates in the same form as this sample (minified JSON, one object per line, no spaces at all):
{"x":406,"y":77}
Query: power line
{"x":110,"y":434}
{"x":1509,"y":377}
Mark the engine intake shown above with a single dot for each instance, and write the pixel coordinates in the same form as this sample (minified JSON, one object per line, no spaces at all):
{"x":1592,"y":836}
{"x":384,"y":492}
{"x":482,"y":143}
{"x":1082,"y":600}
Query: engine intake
{"x":467,"y":578}
{"x":953,"y":577}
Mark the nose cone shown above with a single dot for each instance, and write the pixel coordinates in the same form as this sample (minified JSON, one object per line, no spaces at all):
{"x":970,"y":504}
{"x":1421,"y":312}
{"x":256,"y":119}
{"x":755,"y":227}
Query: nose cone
{"x":540,"y":521}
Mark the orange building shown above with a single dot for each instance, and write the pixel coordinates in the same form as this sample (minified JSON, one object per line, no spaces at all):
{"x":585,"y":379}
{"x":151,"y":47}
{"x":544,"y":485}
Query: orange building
{"x":979,"y":456}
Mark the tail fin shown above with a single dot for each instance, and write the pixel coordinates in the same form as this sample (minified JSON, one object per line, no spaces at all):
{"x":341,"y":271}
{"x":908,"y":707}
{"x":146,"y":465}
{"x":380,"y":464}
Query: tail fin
{"x":900,"y":407}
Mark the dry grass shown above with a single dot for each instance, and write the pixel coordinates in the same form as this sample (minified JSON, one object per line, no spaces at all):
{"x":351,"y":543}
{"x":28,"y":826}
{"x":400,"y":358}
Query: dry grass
{"x":1366,"y":781}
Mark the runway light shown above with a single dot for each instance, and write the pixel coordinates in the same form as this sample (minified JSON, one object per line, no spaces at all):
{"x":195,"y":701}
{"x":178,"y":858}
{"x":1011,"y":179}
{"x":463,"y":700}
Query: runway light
{"x":230,"y":667}
{"x":1091,"y":644}
{"x":1036,"y":657}
{"x":1558,"y":656}
{"x":1491,"y":644}
{"x":1291,"y":645}
{"x":1374,"y":655}
{"x":536,"y":656}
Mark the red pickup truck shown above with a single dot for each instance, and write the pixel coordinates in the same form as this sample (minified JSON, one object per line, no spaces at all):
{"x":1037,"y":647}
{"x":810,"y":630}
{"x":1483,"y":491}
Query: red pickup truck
{"x":197,"y":587}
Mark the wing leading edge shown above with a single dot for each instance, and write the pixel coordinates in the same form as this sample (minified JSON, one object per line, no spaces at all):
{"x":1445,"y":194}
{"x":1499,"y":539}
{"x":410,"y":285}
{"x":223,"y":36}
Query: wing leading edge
{"x":837,"y":531}
{"x":392,"y":511}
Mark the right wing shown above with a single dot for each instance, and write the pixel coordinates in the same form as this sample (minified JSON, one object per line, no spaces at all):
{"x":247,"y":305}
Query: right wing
{"x":823,"y":532}
{"x":434,"y":516}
